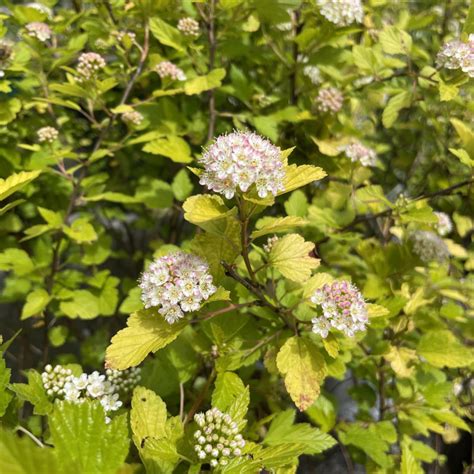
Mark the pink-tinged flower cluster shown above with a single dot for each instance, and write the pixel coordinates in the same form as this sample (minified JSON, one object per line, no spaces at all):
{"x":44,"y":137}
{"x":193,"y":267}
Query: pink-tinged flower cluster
{"x":458,"y":55}
{"x":356,"y":151}
{"x":429,"y":246}
{"x":341,"y":12}
{"x":168,"y":69}
{"x":239,"y":160}
{"x":444,"y":225}
{"x":343,"y":308}
{"x":177,"y":283}
{"x":218,"y":440}
{"x":47,"y":134}
{"x":89,"y":64}
{"x":188,"y":26}
{"x":40,"y":31}
{"x":329,"y":99}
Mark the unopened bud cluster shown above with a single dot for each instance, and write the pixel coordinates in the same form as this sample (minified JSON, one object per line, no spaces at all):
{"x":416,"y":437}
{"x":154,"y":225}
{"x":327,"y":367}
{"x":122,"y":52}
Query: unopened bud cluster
{"x":89,"y":64}
{"x":47,"y":134}
{"x":271,"y":241}
{"x":343,"y":308}
{"x":341,"y":12}
{"x":60,"y":383}
{"x":458,"y":55}
{"x":132,"y":117}
{"x":356,"y":151}
{"x":329,"y":99}
{"x":121,"y":35}
{"x":168,"y":69}
{"x":429,"y":246}
{"x":40,"y":31}
{"x":444,"y":225}
{"x":188,"y":26}
{"x":313,"y":74}
{"x":239,"y":160}
{"x":218,"y":439}
{"x":176,"y":283}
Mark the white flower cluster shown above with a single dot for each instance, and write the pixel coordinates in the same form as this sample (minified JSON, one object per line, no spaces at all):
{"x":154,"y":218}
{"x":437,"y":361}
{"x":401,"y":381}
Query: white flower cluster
{"x":177,"y":283}
{"x":458,"y":55}
{"x":444,"y":225}
{"x":429,"y":246}
{"x":343,"y":308}
{"x":60,"y":383}
{"x":329,"y":99}
{"x":89,"y":64}
{"x":239,"y":160}
{"x":218,"y":439}
{"x":40,"y":31}
{"x":356,"y":151}
{"x":271,"y":241}
{"x":124,"y":381}
{"x":168,"y":69}
{"x":341,"y":12}
{"x":132,"y":117}
{"x":313,"y":74}
{"x":188,"y":26}
{"x":47,"y":134}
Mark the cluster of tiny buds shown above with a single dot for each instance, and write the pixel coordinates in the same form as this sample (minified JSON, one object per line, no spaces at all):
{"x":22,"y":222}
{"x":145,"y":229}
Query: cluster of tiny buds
{"x":176,"y":283}
{"x":457,"y":54}
{"x":313,"y":74}
{"x":239,"y":160}
{"x":357,"y":152}
{"x":329,"y":99}
{"x":343,"y":308}
{"x":341,"y":12}
{"x":89,"y":64}
{"x":271,"y":241}
{"x":132,"y":117}
{"x":121,"y":35}
{"x":40,"y":31}
{"x":188,"y":26}
{"x":218,"y":439}
{"x":429,"y":246}
{"x":124,"y":381}
{"x":167,"y":69}
{"x":47,"y":134}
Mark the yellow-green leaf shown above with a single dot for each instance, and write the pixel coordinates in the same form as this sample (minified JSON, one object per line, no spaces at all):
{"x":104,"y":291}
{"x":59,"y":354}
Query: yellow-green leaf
{"x":200,"y":84}
{"x":171,"y":146}
{"x":290,"y":256}
{"x":15,"y":182}
{"x":146,"y":331}
{"x":298,"y":176}
{"x":272,"y":225}
{"x":376,"y":311}
{"x":303,"y":368}
{"x":166,"y":34}
{"x":36,"y":301}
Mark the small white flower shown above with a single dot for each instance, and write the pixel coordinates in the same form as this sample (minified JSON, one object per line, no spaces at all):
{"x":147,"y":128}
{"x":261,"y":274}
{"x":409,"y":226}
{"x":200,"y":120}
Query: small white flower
{"x":47,"y":134}
{"x":341,"y":12}
{"x":40,"y":31}
{"x":132,"y":117}
{"x":458,"y":55}
{"x":313,"y":74}
{"x":188,"y":26}
{"x":168,"y":69}
{"x":444,"y":226}
{"x":80,"y":382}
{"x":89,"y":64}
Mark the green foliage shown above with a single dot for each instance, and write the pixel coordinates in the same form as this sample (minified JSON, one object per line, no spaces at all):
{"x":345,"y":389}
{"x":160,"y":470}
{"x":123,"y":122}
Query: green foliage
{"x":84,"y":213}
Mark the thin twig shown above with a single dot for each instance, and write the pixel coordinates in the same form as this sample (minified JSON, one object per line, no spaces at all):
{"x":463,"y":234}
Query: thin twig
{"x":200,"y":398}
{"x":181,"y":401}
{"x":30,"y":435}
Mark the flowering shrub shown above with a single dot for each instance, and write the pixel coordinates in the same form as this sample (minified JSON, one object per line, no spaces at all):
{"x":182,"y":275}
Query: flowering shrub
{"x":236,"y":236}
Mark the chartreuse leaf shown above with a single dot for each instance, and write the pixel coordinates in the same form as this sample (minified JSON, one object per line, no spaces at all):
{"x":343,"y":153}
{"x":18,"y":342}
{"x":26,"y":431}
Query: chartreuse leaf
{"x":368,"y":441}
{"x":316,"y":282}
{"x":5,"y":396}
{"x":8,"y":112}
{"x":466,"y":135}
{"x":84,"y":442}
{"x":200,"y":84}
{"x":81,"y":231}
{"x":441,"y":349}
{"x":148,"y":415}
{"x":394,"y":105}
{"x":395,"y":41}
{"x":15,"y":182}
{"x":228,"y":387}
{"x":23,"y":456}
{"x":113,"y":197}
{"x":298,"y":176}
{"x":36,"y":301}
{"x":146,"y":331}
{"x":182,"y":186}
{"x":34,"y":393}
{"x":275,"y":225}
{"x":290,"y":256}
{"x":16,"y":260}
{"x":323,"y":413}
{"x":283,"y":430}
{"x":171,"y":146}
{"x":303,"y":368}
{"x":409,"y":464}
{"x":166,"y":34}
